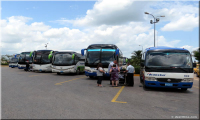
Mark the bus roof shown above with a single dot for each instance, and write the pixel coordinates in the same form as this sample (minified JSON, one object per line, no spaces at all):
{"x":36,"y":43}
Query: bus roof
{"x":43,"y":50}
{"x":64,"y":50}
{"x":94,"y":46}
{"x":164,"y":48}
{"x":25,"y":51}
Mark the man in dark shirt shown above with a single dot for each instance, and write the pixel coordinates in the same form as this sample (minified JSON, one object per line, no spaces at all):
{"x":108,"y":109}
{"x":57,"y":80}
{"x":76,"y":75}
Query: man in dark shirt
{"x":130,"y":75}
{"x":27,"y":66}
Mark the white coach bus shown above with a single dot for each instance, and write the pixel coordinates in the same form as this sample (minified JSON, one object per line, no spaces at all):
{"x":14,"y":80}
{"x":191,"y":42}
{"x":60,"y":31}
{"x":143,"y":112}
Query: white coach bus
{"x":41,"y":61}
{"x":67,"y":61}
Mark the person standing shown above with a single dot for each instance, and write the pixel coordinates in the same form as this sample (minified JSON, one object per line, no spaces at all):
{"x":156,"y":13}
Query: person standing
{"x":114,"y":74}
{"x":100,"y":72}
{"x":27,"y":66}
{"x":130,"y":72}
{"x":110,"y":66}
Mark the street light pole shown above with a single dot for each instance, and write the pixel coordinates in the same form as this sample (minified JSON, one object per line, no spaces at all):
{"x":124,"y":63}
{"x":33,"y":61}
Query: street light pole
{"x":154,"y":32}
{"x":153,"y":22}
{"x":142,"y":48}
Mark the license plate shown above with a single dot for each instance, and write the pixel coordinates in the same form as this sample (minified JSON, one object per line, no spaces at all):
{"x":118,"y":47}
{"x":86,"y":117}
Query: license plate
{"x":40,"y":70}
{"x":168,"y":84}
{"x":61,"y":71}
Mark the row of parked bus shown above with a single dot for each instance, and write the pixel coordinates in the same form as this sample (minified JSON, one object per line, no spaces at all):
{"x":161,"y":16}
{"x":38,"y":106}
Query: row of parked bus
{"x":160,"y":66}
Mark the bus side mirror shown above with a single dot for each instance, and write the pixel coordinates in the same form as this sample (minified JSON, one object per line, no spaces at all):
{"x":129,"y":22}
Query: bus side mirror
{"x":49,"y":56}
{"x":82,"y":52}
{"x":142,"y":64}
{"x":73,"y":56}
{"x":117,"y":52}
{"x":194,"y":65}
{"x":30,"y":55}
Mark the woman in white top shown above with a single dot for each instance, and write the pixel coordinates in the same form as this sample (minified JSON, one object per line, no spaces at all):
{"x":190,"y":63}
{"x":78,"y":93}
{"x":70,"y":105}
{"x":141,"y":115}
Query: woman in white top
{"x":100,"y":72}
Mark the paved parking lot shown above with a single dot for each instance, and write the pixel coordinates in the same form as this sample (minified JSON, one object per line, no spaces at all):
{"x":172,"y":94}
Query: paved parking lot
{"x":31,"y":95}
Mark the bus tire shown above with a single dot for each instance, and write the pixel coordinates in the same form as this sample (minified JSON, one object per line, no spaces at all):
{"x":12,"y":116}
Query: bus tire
{"x":183,"y":89}
{"x":144,"y":86}
{"x":58,"y":73}
{"x":90,"y":76}
{"x":141,"y":79}
{"x":77,"y":71}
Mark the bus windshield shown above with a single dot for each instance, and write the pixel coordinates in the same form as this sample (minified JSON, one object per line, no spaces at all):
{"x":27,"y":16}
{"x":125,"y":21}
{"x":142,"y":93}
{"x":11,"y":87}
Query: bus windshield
{"x":42,"y":57}
{"x":168,"y":59}
{"x":63,"y":59}
{"x":93,"y":56}
{"x":24,"y":56}
{"x":107,"y":55}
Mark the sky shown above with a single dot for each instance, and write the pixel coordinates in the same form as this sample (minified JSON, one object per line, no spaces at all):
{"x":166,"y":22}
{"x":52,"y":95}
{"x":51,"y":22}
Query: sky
{"x":74,"y":25}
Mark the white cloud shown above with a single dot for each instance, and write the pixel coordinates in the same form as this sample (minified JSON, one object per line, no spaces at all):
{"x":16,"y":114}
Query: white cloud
{"x":111,"y":12}
{"x":189,"y":48}
{"x":34,"y":36}
{"x":185,"y":23}
{"x":39,"y":26}
{"x":15,"y":30}
{"x":180,"y":15}
{"x":116,"y":22}
{"x":24,"y":37}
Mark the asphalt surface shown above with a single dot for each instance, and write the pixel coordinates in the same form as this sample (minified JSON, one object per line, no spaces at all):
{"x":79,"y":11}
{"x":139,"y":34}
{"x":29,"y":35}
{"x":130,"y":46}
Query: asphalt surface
{"x":32,"y":95}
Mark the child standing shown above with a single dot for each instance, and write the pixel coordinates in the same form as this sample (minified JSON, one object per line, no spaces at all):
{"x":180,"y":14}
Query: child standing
{"x":100,"y":72}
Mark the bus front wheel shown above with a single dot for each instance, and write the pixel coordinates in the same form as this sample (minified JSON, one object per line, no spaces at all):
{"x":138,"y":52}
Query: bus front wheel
{"x":144,"y":86}
{"x":77,"y":71}
{"x":91,"y":76}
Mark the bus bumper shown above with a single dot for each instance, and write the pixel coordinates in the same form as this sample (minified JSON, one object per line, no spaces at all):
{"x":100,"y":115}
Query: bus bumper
{"x":168,"y":85}
{"x":21,"y":67}
{"x":95,"y":74}
{"x":90,"y":74}
{"x":64,"y":71}
{"x":12,"y":66}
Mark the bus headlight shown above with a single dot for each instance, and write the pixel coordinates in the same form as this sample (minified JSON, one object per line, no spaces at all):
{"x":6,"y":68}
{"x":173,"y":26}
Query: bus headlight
{"x":53,"y":66}
{"x":187,"y":80}
{"x":150,"y":79}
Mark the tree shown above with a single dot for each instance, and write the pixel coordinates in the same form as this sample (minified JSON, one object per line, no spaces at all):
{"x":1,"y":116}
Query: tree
{"x":136,"y":58}
{"x":196,"y":54}
{"x":6,"y":58}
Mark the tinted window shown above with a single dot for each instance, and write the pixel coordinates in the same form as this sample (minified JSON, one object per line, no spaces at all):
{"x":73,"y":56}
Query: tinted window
{"x":63,"y":59}
{"x":93,"y":56}
{"x":166,"y":59}
{"x":107,"y":56}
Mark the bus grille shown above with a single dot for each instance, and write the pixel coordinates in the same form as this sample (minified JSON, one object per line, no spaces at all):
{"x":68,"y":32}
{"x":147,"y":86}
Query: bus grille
{"x":167,"y":80}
